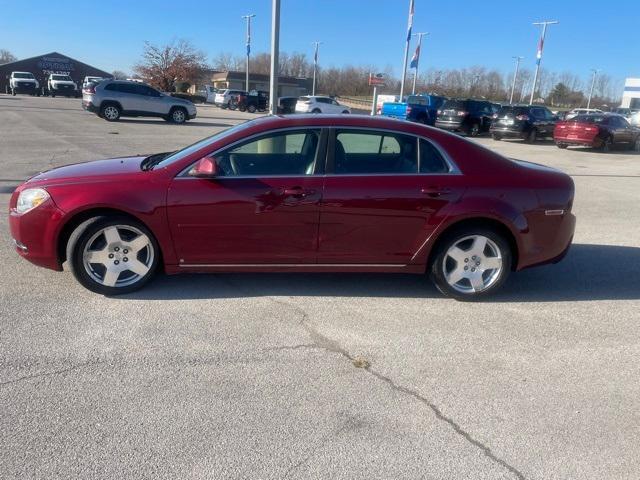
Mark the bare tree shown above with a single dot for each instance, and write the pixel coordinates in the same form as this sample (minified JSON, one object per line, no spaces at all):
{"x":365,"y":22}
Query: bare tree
{"x":6,"y":56}
{"x":119,"y":75}
{"x":162,"y":66}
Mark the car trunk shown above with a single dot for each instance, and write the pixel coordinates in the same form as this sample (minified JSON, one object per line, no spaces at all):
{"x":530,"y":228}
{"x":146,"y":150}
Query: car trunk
{"x":582,"y":131}
{"x":510,"y":117}
{"x":453,"y":111}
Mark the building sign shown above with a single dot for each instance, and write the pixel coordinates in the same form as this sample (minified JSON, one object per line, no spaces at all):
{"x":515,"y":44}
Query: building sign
{"x":55,"y":65}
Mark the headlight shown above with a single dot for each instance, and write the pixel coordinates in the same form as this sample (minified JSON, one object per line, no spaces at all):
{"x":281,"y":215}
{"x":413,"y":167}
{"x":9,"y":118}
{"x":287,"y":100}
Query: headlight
{"x":30,"y":199}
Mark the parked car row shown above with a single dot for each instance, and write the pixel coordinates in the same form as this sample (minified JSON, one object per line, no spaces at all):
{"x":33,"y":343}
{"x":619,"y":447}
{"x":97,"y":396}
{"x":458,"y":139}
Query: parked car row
{"x":56,"y":84}
{"x":258,"y":100}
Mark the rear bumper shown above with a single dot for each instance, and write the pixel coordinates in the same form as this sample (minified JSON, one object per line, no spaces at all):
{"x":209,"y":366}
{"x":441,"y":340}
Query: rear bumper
{"x":549,"y":239}
{"x":35,"y":234}
{"x":449,"y":125}
{"x":89,"y":106}
{"x":587,"y":142}
{"x":508,"y":132}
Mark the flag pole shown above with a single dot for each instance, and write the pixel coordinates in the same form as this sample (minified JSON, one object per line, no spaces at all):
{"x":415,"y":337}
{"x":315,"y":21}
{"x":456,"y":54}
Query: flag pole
{"x":539,"y":55}
{"x":406,"y":49}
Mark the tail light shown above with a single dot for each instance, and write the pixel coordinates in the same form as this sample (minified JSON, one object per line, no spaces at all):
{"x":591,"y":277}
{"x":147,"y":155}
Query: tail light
{"x":89,"y":89}
{"x":522,"y":117}
{"x":408,"y":109}
{"x":590,"y":129}
{"x":494,"y":116}
{"x":439,"y":112}
{"x":461,"y":113}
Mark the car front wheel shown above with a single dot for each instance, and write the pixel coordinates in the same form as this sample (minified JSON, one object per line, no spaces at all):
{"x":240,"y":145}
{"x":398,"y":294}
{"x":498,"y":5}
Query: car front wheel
{"x":112,"y":255}
{"x":470,"y":264}
{"x":178,"y":115}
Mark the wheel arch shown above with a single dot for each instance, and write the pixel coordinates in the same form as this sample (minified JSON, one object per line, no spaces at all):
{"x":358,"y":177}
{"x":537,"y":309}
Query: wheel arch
{"x":104,"y":103}
{"x":478,"y":221}
{"x":72,"y":223}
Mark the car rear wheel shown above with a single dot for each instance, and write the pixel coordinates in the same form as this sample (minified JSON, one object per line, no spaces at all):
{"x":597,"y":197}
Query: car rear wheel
{"x":562,"y":145}
{"x":474,"y":130}
{"x":471,"y":263}
{"x":496,"y":137}
{"x":345,"y":111}
{"x":112,"y":255}
{"x":251,"y":108}
{"x":607,"y":145}
{"x":110,"y":112}
{"x":532,"y":136}
{"x":178,"y":115}
{"x":316,"y":110}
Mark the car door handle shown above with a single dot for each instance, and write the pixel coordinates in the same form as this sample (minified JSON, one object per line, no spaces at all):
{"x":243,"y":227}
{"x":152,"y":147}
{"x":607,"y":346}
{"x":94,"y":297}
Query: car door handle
{"x":295,"y":192}
{"x":435,"y":191}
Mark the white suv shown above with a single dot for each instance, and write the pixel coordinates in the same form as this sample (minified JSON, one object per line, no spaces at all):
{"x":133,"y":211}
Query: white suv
{"x":319,"y":104}
{"x":60,"y":84}
{"x":223,"y":98}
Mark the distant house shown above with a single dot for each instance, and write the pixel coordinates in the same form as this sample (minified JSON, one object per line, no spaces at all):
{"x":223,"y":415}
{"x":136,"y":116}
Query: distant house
{"x":43,"y":65}
{"x":287,"y":86}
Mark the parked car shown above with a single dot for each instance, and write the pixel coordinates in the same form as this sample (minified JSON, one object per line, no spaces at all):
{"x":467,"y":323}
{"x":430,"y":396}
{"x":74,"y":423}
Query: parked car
{"x":228,"y":98}
{"x":384,"y":98}
{"x":207,"y":92}
{"x":472,"y":117}
{"x":581,"y":111}
{"x":23,"y":82}
{"x":604,"y":131}
{"x":394,"y":196}
{"x":59,"y":84}
{"x":113,"y":99}
{"x":256,"y":100}
{"x":88,"y":79}
{"x":320,"y":104}
{"x":526,"y":122}
{"x":415,"y":108}
{"x":287,"y":104}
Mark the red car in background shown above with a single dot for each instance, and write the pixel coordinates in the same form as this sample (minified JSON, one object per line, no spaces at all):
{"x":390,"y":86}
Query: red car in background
{"x":305,"y":193}
{"x":604,"y":131}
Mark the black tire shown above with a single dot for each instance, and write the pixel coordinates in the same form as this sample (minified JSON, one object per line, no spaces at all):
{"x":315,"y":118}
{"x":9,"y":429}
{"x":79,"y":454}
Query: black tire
{"x":178,"y":115}
{"x":532,"y":136}
{"x":441,"y":262}
{"x":561,"y":145}
{"x":251,"y":108}
{"x":84,"y":233}
{"x":607,"y":144}
{"x":242,"y":107}
{"x":110,"y":112}
{"x":316,"y":110}
{"x":13,"y":92}
{"x":345,"y":112}
{"x":474,"y":130}
{"x":496,"y":137}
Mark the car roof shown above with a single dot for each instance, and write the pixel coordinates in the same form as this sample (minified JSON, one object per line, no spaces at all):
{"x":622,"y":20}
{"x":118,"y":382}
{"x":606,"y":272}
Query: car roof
{"x":22,"y":72}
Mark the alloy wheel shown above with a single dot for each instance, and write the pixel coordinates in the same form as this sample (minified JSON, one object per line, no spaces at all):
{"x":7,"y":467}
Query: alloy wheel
{"x":472,"y":264}
{"x":178,"y":116}
{"x":110,"y":113}
{"x":118,"y":256}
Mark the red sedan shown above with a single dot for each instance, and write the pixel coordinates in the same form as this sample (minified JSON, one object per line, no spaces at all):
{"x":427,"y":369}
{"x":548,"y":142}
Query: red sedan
{"x":308,"y":193}
{"x":602,"y":131}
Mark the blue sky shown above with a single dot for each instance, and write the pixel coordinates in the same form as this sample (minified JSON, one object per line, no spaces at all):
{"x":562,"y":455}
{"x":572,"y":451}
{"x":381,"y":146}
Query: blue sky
{"x":110,"y":34}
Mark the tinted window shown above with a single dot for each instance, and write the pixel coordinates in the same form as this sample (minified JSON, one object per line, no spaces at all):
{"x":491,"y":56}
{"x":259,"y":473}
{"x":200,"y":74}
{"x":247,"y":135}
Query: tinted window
{"x":589,"y":119}
{"x":513,"y":111}
{"x":289,"y":153}
{"x":417,"y":100}
{"x":359,"y":152}
{"x":454,"y":105}
{"x":431,"y":160}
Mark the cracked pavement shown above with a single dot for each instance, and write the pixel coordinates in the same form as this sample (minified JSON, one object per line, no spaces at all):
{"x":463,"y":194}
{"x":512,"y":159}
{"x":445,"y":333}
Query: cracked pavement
{"x":319,"y":375}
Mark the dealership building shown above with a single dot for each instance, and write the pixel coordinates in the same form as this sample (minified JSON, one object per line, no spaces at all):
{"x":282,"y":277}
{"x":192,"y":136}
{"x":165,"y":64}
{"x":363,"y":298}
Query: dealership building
{"x":42,"y":65}
{"x":631,"y":94}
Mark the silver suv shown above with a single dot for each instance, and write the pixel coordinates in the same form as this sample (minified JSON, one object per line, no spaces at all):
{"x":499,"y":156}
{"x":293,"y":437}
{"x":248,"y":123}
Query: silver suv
{"x":112,"y":99}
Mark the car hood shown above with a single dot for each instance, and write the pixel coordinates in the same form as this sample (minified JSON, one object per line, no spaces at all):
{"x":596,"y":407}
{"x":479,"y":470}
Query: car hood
{"x":30,"y":80}
{"x":88,"y":171}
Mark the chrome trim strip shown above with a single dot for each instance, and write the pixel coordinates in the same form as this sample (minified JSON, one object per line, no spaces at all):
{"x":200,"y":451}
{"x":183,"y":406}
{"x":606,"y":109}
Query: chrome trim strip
{"x":553,"y":212}
{"x":294,"y":265}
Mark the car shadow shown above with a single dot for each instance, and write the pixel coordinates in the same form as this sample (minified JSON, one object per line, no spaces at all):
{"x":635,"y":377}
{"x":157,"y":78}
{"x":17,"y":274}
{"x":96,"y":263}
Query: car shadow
{"x":163,"y":122}
{"x":589,"y":272}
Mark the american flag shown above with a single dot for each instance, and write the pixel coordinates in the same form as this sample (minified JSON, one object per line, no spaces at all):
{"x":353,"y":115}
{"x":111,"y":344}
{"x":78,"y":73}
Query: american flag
{"x":415,"y":58}
{"x":539,"y":52}
{"x":411,"y":6}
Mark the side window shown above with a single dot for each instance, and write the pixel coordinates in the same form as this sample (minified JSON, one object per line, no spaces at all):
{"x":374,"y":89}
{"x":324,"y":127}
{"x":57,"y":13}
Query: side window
{"x":431,"y":160}
{"x":113,"y":87}
{"x":286,"y":153}
{"x":151,"y":92}
{"x":624,"y":123}
{"x":359,"y":152}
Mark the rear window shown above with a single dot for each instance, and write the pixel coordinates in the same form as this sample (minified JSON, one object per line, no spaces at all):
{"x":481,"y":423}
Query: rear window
{"x":512,"y":111}
{"x":304,"y":99}
{"x":417,"y":100}
{"x":454,"y":105}
{"x":588,"y":119}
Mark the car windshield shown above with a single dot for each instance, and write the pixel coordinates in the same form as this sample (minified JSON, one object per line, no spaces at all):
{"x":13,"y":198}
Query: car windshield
{"x":61,"y":77}
{"x":23,"y":75}
{"x":180,"y":154}
{"x":588,"y":119}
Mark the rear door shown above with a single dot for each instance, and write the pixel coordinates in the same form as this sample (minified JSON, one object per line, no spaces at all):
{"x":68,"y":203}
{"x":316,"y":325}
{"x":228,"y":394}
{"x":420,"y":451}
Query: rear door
{"x":623,"y":133}
{"x":381,"y":193}
{"x":262,"y":207}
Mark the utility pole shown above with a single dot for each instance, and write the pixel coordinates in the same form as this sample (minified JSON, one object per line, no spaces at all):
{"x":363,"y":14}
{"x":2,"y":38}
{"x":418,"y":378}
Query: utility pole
{"x":515,"y":77}
{"x":248,"y":18}
{"x":275,"y":51}
{"x":593,"y":84}
{"x":539,"y":54}
{"x":406,"y":48}
{"x":315,"y":66}
{"x":416,"y":59}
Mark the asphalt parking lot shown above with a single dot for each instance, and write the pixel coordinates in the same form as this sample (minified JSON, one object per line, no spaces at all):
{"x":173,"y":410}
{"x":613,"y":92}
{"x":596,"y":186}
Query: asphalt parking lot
{"x":318,"y":376}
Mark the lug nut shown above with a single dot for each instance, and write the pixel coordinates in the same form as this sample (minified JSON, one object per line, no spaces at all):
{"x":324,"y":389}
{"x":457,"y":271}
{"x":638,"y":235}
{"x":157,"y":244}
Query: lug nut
{"x":466,"y":268}
{"x":472,"y":269}
{"x":116,"y":262}
{"x":477,"y":264}
{"x":111,"y":255}
{"x":466,"y":260}
{"x":117,"y":249}
{"x":125,"y":259}
{"x":125,"y":251}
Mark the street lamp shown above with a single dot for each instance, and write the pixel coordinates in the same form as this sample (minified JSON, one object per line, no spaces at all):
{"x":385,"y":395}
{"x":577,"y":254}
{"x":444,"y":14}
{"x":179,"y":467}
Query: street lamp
{"x":416,"y":59}
{"x":539,"y":53}
{"x":248,"y":19}
{"x":515,"y":77}
{"x":593,"y":83}
{"x":275,"y":51}
{"x":315,"y":66}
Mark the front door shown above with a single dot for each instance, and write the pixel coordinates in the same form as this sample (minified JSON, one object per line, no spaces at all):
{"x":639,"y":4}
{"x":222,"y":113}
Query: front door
{"x":381,"y":193}
{"x":262,"y":208}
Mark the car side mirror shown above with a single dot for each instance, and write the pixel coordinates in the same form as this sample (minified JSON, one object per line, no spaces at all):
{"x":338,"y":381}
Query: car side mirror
{"x":204,"y":168}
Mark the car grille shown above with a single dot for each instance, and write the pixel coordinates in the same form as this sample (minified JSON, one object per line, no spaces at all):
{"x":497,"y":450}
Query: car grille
{"x":64,"y":87}
{"x":26,"y":85}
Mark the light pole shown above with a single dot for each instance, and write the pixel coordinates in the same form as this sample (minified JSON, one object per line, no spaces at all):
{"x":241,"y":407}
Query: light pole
{"x":406,"y":49}
{"x":515,"y":77}
{"x":593,"y":84}
{"x":539,"y":54}
{"x":275,"y":51}
{"x":315,"y":66}
{"x":248,"y":18}
{"x":416,"y":59}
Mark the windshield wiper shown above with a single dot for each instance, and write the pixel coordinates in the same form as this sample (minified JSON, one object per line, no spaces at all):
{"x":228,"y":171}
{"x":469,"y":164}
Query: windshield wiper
{"x":149,"y":162}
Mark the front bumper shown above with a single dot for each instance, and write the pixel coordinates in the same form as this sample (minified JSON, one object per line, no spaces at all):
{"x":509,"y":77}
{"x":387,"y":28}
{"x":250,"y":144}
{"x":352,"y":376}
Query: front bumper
{"x":35,"y":234}
{"x":25,"y":88}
